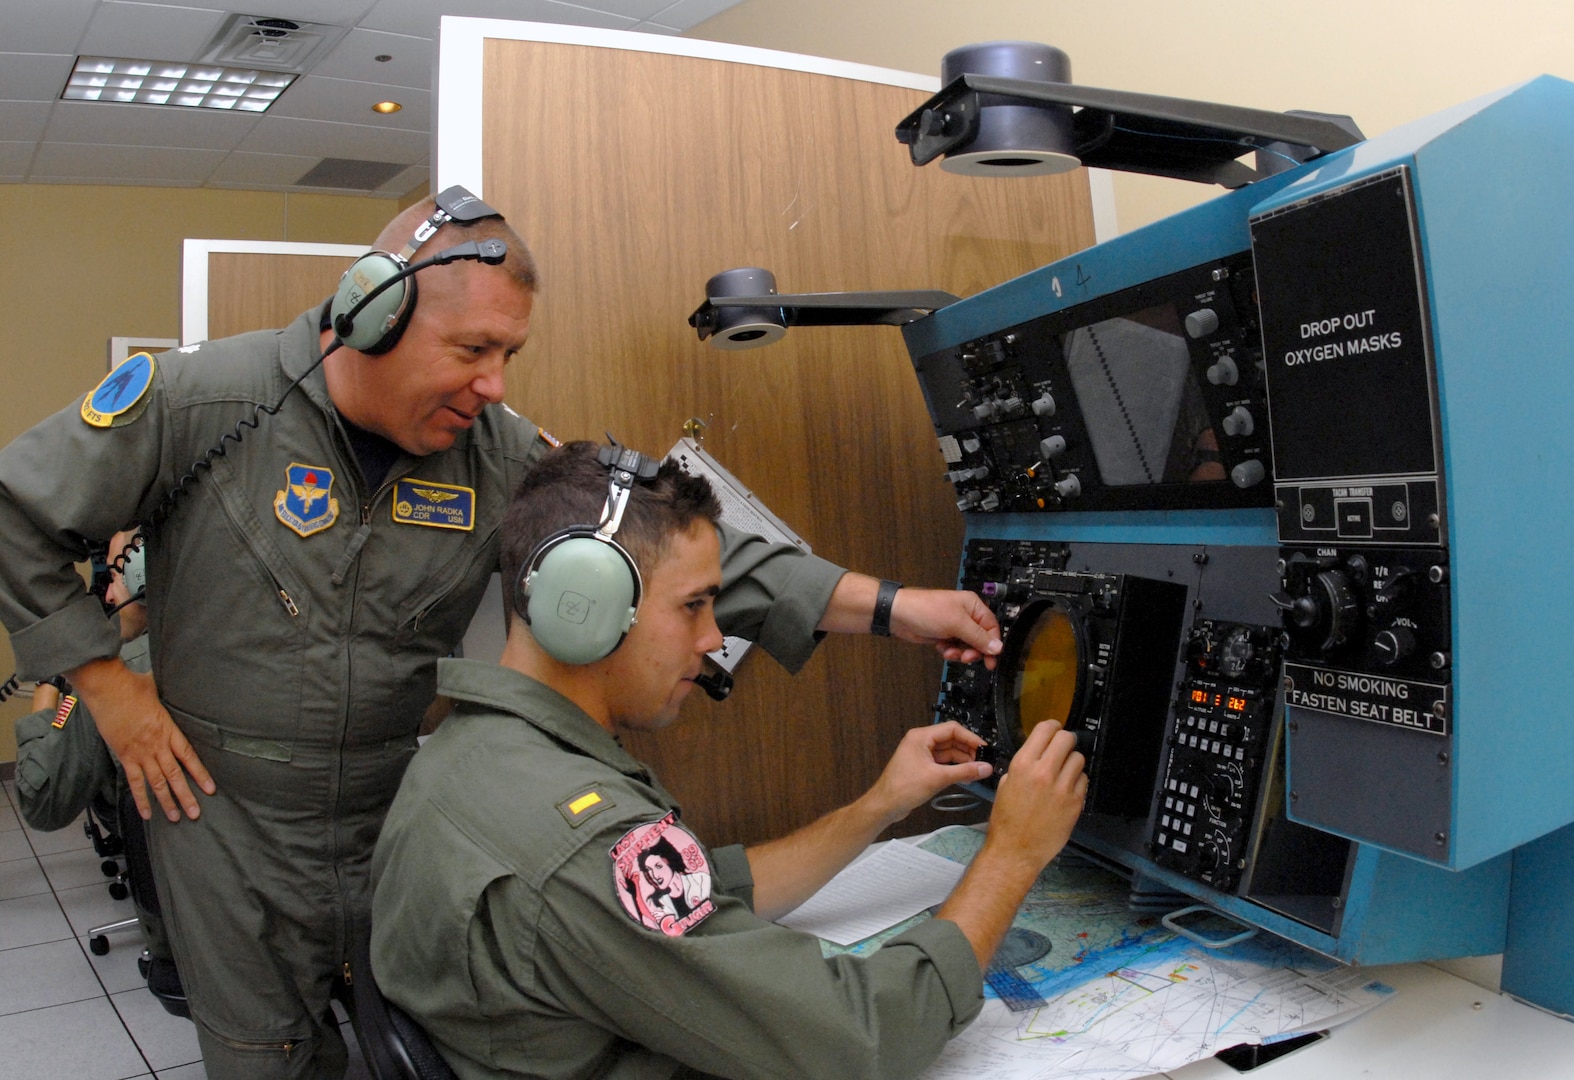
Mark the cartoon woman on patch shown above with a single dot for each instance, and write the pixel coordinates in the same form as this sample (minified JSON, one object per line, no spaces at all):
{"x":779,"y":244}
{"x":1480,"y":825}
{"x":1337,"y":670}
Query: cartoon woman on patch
{"x":662,"y":878}
{"x":674,"y":891}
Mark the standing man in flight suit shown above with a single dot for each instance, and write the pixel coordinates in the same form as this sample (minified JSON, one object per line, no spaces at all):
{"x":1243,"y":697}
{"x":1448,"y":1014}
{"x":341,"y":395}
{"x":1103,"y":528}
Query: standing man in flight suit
{"x":303,"y":583}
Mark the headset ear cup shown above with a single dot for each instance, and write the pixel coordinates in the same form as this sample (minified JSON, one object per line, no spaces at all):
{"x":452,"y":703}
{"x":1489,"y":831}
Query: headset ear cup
{"x":376,"y":327}
{"x":581,"y":596}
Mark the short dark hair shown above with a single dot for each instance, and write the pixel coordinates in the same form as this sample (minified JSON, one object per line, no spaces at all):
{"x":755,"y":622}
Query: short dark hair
{"x":568,"y":488}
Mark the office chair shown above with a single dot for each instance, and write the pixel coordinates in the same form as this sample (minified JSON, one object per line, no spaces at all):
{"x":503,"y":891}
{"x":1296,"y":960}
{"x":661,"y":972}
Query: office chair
{"x":394,"y":1046}
{"x":160,"y":972}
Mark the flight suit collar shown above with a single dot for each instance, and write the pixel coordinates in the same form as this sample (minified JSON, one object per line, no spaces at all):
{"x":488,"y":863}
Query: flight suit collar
{"x":299,"y":345}
{"x":538,"y":705}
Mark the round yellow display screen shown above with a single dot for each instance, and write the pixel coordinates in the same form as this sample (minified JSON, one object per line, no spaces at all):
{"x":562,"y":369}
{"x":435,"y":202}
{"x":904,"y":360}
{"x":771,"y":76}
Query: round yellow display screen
{"x":1047,"y":673}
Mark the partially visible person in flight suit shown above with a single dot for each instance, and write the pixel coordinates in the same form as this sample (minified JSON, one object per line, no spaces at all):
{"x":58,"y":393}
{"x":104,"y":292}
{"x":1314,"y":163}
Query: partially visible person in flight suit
{"x":302,"y":586}
{"x":62,"y":764}
{"x":524,"y":910}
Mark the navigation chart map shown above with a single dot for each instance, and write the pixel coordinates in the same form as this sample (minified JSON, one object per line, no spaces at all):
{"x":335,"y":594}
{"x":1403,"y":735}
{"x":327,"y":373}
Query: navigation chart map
{"x":1085,"y":987}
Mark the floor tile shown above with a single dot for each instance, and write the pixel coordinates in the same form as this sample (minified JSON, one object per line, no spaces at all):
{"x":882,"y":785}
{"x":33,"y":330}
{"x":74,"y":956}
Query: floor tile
{"x":74,"y":869}
{"x":117,"y":969}
{"x":69,"y":838}
{"x":29,"y":920}
{"x":91,"y":905}
{"x":194,"y":1071}
{"x":83,"y":1041}
{"x":37,"y":976}
{"x":9,"y":822}
{"x":166,"y":1041}
{"x":22,"y":877}
{"x":14,"y":845}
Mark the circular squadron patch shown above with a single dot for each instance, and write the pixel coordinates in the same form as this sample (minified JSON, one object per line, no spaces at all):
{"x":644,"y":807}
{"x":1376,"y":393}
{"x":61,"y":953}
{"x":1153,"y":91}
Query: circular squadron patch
{"x":662,"y":877}
{"x":122,"y":396}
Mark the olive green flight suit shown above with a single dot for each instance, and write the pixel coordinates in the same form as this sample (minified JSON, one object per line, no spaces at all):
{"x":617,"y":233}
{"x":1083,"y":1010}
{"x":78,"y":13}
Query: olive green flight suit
{"x":296,"y":621}
{"x":61,"y":770}
{"x":497,"y":923}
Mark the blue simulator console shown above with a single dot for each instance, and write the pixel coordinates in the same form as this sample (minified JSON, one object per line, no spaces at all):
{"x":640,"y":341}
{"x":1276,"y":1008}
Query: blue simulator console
{"x":1268,"y":497}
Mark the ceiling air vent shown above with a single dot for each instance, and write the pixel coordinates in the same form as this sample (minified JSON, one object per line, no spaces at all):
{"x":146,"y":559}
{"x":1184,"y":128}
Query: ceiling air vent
{"x":349,"y":174}
{"x":258,"y":41}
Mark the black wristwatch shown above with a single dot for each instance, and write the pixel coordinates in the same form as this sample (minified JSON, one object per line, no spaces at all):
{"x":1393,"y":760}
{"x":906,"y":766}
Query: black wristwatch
{"x":880,"y":625}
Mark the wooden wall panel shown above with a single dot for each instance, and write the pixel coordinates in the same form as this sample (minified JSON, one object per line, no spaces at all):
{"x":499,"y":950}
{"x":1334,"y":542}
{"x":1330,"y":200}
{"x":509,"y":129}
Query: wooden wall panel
{"x":635,"y":176}
{"x":262,"y":291}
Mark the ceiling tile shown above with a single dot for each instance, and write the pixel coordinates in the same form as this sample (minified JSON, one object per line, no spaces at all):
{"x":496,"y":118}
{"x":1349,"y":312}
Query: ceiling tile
{"x":34,"y":76}
{"x":633,"y":9}
{"x":149,"y":31}
{"x":53,"y":27}
{"x":24,"y":119}
{"x":355,"y":58}
{"x":344,"y":102}
{"x":261,"y":170}
{"x":286,"y":135}
{"x":685,"y":14}
{"x":97,"y":163}
{"x":419,"y":17}
{"x":14,"y":158}
{"x":327,"y":12}
{"x":148,"y":125}
{"x":415,"y":176}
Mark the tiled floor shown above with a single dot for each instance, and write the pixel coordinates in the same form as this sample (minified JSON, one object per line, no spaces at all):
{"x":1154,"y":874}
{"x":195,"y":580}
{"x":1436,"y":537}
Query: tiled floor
{"x":66,"y":1014}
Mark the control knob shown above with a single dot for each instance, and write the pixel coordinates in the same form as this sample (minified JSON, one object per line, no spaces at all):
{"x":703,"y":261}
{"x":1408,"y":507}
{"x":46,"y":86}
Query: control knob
{"x":1052,"y":447}
{"x":1239,"y":421}
{"x":1393,"y":645}
{"x":1068,"y":487}
{"x":1202,"y":322}
{"x":1248,"y":473}
{"x":1044,"y":405}
{"x":1324,"y":616}
{"x":1223,"y":372}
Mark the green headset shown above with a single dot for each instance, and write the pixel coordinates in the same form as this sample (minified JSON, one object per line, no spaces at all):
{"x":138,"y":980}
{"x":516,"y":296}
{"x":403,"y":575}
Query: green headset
{"x":580,"y":590}
{"x":376,"y":295}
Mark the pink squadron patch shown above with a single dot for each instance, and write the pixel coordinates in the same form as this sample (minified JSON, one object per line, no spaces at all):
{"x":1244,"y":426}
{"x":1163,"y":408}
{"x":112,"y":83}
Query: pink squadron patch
{"x":662,"y":878}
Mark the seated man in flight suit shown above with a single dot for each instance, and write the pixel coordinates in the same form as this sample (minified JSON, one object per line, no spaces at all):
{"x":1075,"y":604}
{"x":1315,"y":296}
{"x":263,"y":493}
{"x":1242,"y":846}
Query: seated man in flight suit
{"x":519,"y":914}
{"x":62,"y":764}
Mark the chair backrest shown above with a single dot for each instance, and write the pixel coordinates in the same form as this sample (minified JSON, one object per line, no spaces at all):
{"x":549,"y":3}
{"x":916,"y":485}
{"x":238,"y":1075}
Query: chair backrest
{"x":394,"y":1046}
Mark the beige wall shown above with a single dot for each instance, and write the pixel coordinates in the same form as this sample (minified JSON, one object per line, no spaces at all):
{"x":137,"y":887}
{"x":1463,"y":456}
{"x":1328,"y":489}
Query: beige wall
{"x":84,"y":264}
{"x":1383,"y":62}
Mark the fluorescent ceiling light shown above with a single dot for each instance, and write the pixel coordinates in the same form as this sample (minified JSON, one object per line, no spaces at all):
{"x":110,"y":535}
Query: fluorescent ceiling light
{"x":196,"y":86}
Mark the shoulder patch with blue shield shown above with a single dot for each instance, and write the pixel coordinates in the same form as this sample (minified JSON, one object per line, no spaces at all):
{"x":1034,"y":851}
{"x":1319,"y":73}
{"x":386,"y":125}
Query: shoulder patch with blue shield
{"x":437,"y":506}
{"x":122,"y":396}
{"x":306,"y":504}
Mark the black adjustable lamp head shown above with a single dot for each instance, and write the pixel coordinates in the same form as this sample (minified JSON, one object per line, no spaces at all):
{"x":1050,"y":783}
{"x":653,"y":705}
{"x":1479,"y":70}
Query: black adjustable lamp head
{"x":1009,"y":108}
{"x":743,"y":310}
{"x":1012,"y":136}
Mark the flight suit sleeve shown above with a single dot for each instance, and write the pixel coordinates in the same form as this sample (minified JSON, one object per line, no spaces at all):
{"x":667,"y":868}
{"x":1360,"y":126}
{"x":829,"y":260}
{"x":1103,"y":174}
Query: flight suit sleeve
{"x":59,"y":770}
{"x":734,"y":995}
{"x":774,"y":595}
{"x":64,"y":482}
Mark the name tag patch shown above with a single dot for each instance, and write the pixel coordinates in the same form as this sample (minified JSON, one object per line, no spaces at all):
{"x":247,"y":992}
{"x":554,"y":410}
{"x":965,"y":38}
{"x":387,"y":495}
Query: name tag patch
{"x":122,"y":396}
{"x":662,"y":877}
{"x":438,"y":506}
{"x":306,"y":504}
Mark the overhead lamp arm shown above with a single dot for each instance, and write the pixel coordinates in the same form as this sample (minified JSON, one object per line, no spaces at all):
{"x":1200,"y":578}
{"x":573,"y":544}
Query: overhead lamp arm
{"x":830,"y":309}
{"x":1145,"y":133}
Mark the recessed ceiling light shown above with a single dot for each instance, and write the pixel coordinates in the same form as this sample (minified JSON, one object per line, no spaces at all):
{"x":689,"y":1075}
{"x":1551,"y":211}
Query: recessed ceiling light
{"x":196,"y":86}
{"x":386,"y":107}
